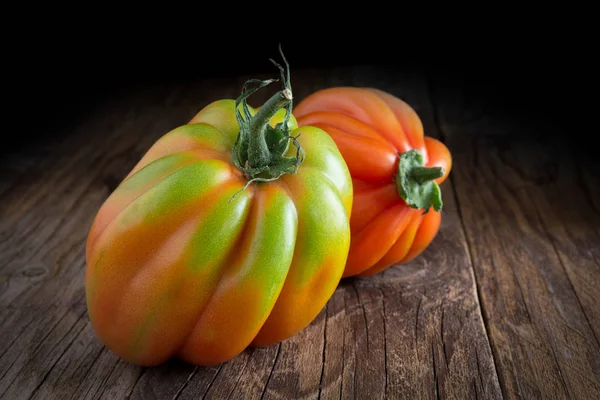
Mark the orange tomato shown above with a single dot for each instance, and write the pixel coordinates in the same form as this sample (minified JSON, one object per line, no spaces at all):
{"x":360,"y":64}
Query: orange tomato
{"x":395,"y":169}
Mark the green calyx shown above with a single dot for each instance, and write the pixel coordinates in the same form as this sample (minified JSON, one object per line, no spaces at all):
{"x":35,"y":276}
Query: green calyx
{"x":259,"y":148}
{"x":415,"y":182}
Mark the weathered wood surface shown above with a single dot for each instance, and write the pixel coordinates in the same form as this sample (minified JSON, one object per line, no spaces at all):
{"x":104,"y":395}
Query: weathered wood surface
{"x":502,"y":304}
{"x":532,"y":228}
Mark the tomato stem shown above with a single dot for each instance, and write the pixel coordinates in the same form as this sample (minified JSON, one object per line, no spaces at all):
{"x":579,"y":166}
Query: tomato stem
{"x":259,"y":151}
{"x":424,"y":174}
{"x":416,"y":184}
{"x":259,"y":154}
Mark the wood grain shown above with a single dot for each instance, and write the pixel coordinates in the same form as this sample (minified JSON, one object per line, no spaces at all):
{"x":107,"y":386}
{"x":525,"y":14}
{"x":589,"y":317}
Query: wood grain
{"x":414,"y":331}
{"x":534,"y":240}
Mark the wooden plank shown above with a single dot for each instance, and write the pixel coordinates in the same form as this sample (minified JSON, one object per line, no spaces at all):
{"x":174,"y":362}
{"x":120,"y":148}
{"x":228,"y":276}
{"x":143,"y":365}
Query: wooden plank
{"x":568,"y":216}
{"x":108,"y":378}
{"x":72,"y":367}
{"x":413,"y":331}
{"x":532,"y":238}
{"x":297,"y":371}
{"x":46,"y":217}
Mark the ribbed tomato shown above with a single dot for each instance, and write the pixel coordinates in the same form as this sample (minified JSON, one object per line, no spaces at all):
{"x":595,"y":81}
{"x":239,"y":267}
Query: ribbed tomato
{"x":224,"y":235}
{"x":395,"y":169}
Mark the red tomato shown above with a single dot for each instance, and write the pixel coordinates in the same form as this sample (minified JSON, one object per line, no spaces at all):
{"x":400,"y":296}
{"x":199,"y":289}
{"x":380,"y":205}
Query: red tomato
{"x":396,"y":172}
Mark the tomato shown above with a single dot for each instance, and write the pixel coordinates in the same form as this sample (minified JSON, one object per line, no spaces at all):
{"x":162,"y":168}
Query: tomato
{"x":231,"y":231}
{"x":396,"y":172}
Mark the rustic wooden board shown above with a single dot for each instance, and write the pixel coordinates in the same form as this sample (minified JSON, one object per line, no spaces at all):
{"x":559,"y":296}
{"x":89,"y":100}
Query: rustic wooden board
{"x":533,"y":234}
{"x":414,"y":331}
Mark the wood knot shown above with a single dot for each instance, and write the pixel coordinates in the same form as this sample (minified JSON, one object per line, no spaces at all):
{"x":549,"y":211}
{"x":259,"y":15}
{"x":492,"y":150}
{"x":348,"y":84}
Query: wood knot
{"x":32,"y":272}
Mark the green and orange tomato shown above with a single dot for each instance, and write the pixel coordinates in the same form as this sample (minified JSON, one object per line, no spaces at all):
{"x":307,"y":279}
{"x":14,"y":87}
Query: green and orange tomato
{"x":217,"y":239}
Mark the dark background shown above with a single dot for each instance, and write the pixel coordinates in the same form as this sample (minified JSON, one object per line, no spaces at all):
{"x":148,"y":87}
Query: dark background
{"x":58,"y":74}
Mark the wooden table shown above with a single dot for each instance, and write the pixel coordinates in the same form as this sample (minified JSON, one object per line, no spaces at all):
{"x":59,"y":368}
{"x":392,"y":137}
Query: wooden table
{"x":503,"y":304}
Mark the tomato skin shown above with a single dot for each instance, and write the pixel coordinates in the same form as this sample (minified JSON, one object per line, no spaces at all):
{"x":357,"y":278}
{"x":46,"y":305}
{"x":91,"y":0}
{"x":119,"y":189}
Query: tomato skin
{"x":371,"y":128}
{"x":177,"y":267}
